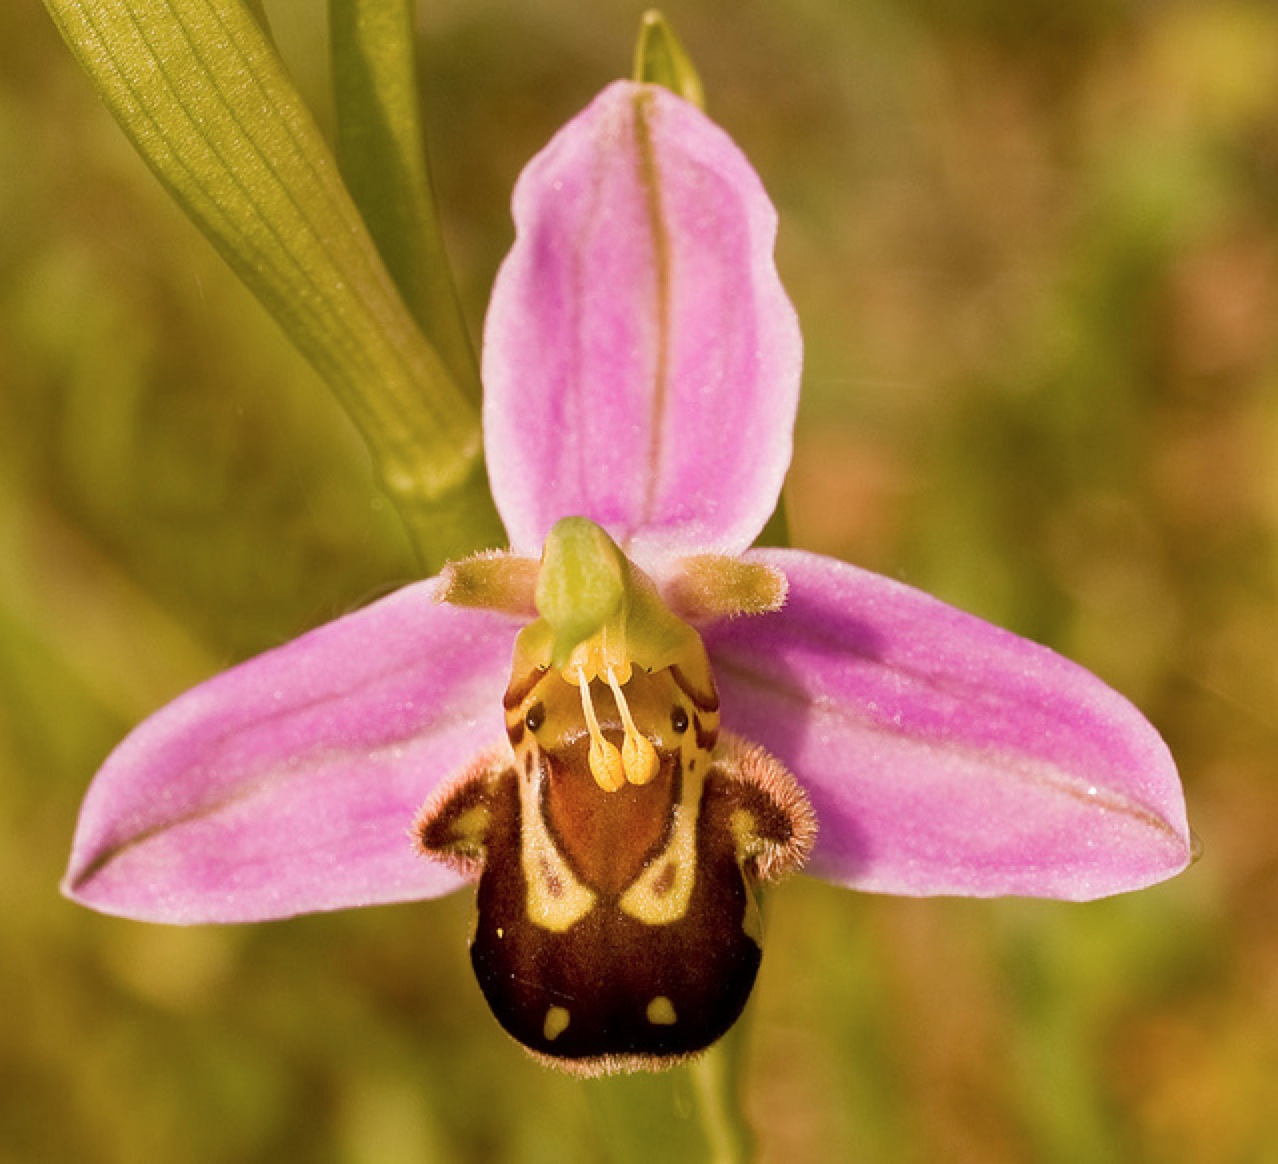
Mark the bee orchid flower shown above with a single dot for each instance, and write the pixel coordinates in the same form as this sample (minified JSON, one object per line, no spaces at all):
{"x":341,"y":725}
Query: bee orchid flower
{"x":624,"y":724}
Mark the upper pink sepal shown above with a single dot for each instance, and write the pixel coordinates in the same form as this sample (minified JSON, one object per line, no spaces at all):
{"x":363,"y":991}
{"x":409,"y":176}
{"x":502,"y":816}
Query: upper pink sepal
{"x":641,"y":359}
{"x":942,"y":754}
{"x":289,"y":783}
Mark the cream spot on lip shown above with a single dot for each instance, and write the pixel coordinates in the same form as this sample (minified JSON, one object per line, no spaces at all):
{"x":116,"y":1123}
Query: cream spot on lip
{"x":661,"y":1012}
{"x":557,"y":1020}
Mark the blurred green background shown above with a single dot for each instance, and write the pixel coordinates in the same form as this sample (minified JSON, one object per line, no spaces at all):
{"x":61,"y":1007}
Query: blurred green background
{"x":1034,"y":247}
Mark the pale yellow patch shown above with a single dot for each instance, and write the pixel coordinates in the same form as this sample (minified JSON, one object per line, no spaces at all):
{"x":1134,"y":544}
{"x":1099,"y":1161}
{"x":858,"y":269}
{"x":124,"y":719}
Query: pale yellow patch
{"x":472,"y":826}
{"x":745,"y":832}
{"x":643,"y":901}
{"x":557,"y":1020}
{"x":661,"y":1012}
{"x":557,"y":900}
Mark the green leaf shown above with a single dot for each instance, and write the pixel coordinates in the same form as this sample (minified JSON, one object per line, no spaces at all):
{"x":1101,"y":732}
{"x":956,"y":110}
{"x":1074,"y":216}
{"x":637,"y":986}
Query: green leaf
{"x":661,"y":59}
{"x":201,"y":92}
{"x":381,"y":149}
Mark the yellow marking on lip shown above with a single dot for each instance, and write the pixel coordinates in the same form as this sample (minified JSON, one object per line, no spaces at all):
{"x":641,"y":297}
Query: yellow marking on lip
{"x":557,"y":1020}
{"x":745,"y":832}
{"x":661,"y":1012}
{"x":653,"y":898}
{"x":556,"y":899}
{"x":472,"y":825}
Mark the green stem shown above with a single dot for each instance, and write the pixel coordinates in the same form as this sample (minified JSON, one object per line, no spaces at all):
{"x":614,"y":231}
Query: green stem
{"x":689,"y":1114}
{"x":718,"y":1078}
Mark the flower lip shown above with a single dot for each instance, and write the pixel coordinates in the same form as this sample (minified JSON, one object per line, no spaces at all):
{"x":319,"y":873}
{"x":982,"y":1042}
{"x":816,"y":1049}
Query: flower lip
{"x":617,"y":927}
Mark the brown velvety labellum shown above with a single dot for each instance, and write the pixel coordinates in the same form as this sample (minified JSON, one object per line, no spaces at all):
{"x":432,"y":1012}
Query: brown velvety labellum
{"x":617,"y":929}
{"x":612,"y":985}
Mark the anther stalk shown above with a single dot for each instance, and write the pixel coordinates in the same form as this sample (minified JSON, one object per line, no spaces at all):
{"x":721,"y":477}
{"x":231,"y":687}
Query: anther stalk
{"x":638,"y":756}
{"x":606,"y":764}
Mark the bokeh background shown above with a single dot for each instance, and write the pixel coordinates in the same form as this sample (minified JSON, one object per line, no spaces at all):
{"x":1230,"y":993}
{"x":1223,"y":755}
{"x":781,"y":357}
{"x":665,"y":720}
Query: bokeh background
{"x":1034,"y":246}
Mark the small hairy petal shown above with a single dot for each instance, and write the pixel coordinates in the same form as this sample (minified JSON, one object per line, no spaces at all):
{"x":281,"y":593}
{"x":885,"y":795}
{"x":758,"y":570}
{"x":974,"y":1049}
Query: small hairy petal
{"x":492,"y":580}
{"x":705,"y":587}
{"x":942,"y":754}
{"x":638,"y":337}
{"x":290,"y":783}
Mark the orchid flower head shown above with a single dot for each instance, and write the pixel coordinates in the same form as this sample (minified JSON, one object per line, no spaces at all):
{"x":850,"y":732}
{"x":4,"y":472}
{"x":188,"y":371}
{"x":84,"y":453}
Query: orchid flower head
{"x":623,"y":726}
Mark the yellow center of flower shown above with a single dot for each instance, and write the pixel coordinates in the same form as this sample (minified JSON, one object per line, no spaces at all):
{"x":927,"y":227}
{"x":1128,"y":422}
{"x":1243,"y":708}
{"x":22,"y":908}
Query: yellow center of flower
{"x":620,"y":630}
{"x":636,"y":761}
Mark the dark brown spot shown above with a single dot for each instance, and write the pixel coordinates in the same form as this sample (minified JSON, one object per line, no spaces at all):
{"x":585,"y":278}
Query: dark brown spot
{"x":706,"y":701}
{"x":521,"y":687}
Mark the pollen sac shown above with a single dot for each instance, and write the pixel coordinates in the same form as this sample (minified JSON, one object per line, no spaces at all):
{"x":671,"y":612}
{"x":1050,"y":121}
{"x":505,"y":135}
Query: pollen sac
{"x":618,"y":927}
